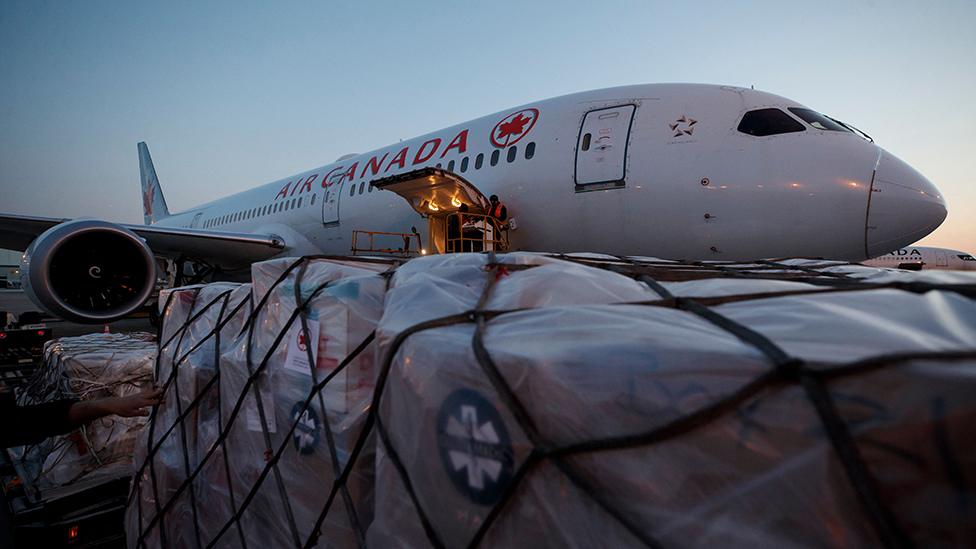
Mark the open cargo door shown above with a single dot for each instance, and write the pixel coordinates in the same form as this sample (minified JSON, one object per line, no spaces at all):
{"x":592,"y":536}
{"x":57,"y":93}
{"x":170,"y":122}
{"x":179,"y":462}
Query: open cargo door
{"x":438,"y":195}
{"x":433,"y":191}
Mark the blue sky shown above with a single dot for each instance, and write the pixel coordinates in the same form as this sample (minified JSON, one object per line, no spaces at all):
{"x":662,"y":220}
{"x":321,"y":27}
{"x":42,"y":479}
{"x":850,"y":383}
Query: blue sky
{"x":229,"y":95}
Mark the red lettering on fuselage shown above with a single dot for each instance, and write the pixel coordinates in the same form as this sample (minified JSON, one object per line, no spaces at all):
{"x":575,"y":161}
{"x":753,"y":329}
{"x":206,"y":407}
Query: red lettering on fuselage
{"x":351,"y":172}
{"x":400,"y":159}
{"x":304,"y":185}
{"x":420,"y":152}
{"x":460,"y":142}
{"x":283,"y":193}
{"x":374,"y":165}
{"x":427,"y":150}
{"x":327,"y":179}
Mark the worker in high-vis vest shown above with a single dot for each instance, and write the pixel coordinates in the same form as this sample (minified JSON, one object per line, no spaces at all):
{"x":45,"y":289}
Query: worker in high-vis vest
{"x":498,"y":211}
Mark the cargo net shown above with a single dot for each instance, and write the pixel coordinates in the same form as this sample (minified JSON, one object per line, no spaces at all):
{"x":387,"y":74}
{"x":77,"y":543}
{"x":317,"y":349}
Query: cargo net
{"x":86,"y":367}
{"x":540,"y":400}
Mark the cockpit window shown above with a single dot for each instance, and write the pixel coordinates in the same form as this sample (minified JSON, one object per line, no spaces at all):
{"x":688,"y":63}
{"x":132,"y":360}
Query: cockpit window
{"x":966,"y":257}
{"x":819,"y":121}
{"x":765,"y":122}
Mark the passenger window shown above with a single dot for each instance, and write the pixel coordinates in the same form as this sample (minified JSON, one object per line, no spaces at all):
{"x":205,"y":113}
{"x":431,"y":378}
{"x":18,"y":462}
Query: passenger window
{"x":479,"y":161}
{"x":530,"y":150}
{"x":512,"y":153}
{"x":450,"y":166}
{"x":494,"y":157}
{"x":586,"y":141}
{"x":300,"y":201}
{"x":352,"y":190}
{"x":312,"y":201}
{"x":464,"y":164}
{"x":819,"y":121}
{"x":438,"y":165}
{"x":369,"y":188}
{"x":361,"y":187}
{"x":763,"y":122}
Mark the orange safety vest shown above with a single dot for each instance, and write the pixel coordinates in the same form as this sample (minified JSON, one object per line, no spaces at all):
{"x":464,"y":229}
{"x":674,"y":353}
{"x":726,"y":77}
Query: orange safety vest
{"x":496,"y":212}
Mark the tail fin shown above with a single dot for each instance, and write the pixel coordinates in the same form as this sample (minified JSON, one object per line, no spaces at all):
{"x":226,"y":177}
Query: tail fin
{"x":153,"y":203}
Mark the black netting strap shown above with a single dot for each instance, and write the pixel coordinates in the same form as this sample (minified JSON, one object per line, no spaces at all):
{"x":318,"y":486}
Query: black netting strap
{"x":865,"y":486}
{"x":394,"y":458}
{"x":152,"y":426}
{"x":374,"y":408}
{"x":329,"y":437}
{"x":810,"y":270}
{"x":225,"y":431}
{"x":182,"y":414}
{"x":286,"y":438}
{"x":679,"y":426}
{"x":154,"y":448}
{"x":527,"y":424}
{"x":223,"y":444}
{"x":656,"y":286}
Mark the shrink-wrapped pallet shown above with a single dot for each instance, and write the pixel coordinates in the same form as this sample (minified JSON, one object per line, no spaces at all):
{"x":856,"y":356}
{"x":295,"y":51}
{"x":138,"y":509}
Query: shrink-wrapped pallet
{"x":199,"y":322}
{"x":87,"y":367}
{"x":826,"y":416}
{"x":296,"y":377}
{"x":295,"y":361}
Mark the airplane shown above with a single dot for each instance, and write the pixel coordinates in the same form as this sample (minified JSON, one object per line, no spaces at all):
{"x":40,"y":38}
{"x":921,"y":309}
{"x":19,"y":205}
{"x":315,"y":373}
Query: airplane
{"x":916,"y":258}
{"x":681,"y":171}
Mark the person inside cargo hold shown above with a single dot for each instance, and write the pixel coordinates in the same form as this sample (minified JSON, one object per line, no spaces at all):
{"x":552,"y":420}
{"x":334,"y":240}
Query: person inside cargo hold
{"x":21,"y":425}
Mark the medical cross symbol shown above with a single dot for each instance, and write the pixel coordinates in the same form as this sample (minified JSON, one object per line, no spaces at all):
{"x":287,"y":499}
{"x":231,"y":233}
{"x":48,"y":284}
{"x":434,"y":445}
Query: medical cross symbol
{"x":476,"y":453}
{"x":474,"y":446}
{"x":306,"y":436}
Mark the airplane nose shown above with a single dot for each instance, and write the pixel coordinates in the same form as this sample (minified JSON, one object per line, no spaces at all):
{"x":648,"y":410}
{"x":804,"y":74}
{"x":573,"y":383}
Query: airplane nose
{"x":903,"y":207}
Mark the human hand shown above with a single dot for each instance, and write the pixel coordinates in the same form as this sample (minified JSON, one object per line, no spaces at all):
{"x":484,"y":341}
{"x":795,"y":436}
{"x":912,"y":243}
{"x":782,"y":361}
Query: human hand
{"x":137,"y":404}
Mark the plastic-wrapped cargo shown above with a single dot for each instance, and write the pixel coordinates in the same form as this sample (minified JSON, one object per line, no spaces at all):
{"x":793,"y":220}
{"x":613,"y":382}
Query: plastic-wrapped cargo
{"x":85,"y":368}
{"x":198,"y":323}
{"x":300,"y":384}
{"x":582,"y":409}
{"x":295,"y":386}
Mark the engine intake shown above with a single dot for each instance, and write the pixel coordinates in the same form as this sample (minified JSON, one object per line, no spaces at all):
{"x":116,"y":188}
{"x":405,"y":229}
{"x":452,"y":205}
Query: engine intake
{"x":88,"y":271}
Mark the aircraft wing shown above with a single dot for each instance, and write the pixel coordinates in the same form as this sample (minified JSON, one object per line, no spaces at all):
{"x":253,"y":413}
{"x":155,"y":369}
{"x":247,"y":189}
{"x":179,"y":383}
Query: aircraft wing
{"x":222,"y":248}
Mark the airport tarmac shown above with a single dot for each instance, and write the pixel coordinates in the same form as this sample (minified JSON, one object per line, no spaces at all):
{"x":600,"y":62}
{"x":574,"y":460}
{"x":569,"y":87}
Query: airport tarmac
{"x":17,"y":302}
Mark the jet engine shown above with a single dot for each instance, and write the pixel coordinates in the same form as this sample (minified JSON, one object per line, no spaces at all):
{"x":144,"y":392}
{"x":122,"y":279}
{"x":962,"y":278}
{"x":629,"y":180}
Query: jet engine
{"x":88,"y":271}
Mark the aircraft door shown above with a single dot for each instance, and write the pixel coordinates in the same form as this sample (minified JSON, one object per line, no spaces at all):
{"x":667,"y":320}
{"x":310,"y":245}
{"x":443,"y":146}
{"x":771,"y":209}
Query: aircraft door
{"x":601,"y":151}
{"x":941,"y":258}
{"x":330,"y":201}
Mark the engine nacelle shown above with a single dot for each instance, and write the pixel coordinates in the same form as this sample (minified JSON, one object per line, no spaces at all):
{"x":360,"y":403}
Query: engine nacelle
{"x":88,"y":271}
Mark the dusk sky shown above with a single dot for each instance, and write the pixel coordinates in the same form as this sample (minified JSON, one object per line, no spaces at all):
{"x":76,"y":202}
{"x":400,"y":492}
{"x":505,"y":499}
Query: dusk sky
{"x":230,"y":95}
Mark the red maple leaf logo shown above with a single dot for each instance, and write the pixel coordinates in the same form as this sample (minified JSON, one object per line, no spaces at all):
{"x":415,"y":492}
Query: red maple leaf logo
{"x":514,"y":127}
{"x":147,"y":199}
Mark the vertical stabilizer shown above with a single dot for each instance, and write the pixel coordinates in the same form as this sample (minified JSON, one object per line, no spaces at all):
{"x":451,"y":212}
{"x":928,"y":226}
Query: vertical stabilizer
{"x":153,"y":204}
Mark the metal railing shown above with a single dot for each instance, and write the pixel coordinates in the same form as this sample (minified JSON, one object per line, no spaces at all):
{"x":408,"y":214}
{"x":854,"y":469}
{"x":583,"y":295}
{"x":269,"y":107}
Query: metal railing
{"x":404,"y":250}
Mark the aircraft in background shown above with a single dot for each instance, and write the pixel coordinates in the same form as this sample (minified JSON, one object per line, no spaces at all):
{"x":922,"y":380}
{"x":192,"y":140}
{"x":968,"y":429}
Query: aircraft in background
{"x":916,"y":258}
{"x":684,"y":171}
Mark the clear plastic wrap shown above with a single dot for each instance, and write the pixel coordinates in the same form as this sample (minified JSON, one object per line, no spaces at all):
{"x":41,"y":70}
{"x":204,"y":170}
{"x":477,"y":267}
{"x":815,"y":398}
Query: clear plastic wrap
{"x":198,"y":323}
{"x":811,"y":410}
{"x":85,"y":368}
{"x":292,"y":406}
{"x":582,"y":401}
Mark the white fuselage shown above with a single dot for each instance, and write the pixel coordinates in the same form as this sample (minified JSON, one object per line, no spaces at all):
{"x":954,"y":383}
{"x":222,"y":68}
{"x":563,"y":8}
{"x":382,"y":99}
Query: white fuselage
{"x":925,"y":257}
{"x":664,"y":172}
